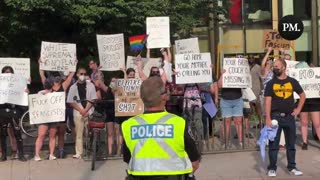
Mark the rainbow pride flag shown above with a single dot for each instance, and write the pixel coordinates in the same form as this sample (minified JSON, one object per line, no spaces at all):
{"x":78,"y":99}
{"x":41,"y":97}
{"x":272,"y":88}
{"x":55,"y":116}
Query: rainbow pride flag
{"x":137,"y":42}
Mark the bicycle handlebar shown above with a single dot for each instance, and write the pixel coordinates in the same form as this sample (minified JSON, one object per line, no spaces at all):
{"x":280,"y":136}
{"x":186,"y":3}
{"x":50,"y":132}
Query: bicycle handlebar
{"x":93,"y":101}
{"x":187,"y":98}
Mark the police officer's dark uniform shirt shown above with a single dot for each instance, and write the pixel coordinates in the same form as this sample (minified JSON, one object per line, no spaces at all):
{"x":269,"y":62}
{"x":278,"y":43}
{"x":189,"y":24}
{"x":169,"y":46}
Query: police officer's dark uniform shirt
{"x":281,"y":92}
{"x":189,"y":146}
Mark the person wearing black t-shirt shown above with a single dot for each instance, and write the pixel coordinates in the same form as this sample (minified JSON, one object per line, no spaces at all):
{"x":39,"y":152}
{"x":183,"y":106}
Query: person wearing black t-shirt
{"x":279,"y":105}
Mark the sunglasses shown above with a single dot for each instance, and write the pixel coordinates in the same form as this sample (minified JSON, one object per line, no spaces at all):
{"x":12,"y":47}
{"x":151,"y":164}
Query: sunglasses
{"x":83,"y":73}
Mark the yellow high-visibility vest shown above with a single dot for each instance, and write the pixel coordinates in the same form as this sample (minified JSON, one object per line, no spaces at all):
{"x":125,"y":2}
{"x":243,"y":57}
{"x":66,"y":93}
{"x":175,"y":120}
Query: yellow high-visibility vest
{"x":156,"y":144}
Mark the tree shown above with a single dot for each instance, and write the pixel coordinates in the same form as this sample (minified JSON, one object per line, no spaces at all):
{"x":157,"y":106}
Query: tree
{"x":25,"y":23}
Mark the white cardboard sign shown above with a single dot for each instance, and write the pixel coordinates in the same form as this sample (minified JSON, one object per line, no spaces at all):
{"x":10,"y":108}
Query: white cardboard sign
{"x":158,"y":30}
{"x":58,"y":57}
{"x":193,"y":68}
{"x":12,"y":89}
{"x":20,"y":65}
{"x":147,"y":64}
{"x":237,"y":73}
{"x":187,"y":46}
{"x":111,"y":52}
{"x":47,"y":108}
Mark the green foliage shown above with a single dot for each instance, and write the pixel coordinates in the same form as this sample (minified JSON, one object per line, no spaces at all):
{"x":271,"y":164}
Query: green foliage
{"x":25,"y":23}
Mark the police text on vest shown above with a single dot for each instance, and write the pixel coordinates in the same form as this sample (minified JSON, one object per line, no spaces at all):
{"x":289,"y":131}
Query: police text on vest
{"x":152,"y":131}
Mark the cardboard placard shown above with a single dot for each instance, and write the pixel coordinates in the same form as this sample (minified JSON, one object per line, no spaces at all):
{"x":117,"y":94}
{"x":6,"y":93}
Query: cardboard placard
{"x":158,"y":29}
{"x":193,"y":68}
{"x":237,"y":73}
{"x":127,"y":97}
{"x":187,"y":46}
{"x":309,"y":79}
{"x":58,"y":57}
{"x":20,"y":65}
{"x":47,"y":108}
{"x":273,"y":39}
{"x":12,"y":89}
{"x":111,"y":52}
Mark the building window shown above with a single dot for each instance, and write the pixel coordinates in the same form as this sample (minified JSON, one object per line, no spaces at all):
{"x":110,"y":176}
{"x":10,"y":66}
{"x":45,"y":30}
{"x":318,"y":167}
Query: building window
{"x":302,"y":9}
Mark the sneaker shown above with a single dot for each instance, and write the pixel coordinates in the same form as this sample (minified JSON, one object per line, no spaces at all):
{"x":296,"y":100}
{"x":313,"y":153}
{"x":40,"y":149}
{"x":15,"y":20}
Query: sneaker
{"x":304,"y":146}
{"x":296,"y":172}
{"x":37,"y":158}
{"x":52,"y":157}
{"x":14,"y":155}
{"x":272,"y":173}
{"x":77,"y":156}
{"x":61,"y":154}
{"x":249,"y":135}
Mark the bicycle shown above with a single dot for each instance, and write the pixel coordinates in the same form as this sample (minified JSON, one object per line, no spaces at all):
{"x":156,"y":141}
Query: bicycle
{"x":28,"y":129}
{"x":194,"y":125}
{"x":96,"y":124}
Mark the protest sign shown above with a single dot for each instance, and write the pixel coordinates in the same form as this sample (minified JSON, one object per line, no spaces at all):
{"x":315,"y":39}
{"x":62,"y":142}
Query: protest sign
{"x":147,"y":64}
{"x":193,"y":68}
{"x":309,"y":79}
{"x":187,"y":46}
{"x":12,"y":89}
{"x":47,"y":108}
{"x":273,"y":39}
{"x":291,"y":65}
{"x":58,"y":57}
{"x":158,"y":30}
{"x":20,"y":65}
{"x":127,"y":97}
{"x":111,"y":52}
{"x":237,"y":73}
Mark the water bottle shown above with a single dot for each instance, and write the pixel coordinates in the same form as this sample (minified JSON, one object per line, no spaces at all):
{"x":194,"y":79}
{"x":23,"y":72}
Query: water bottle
{"x":274,"y":124}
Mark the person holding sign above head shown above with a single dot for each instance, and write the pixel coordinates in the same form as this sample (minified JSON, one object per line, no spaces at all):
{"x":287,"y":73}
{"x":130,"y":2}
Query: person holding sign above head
{"x":279,"y":105}
{"x":6,"y":125}
{"x":154,"y":71}
{"x":155,"y":131}
{"x":43,"y":128}
{"x":81,"y":90}
{"x":60,"y":84}
{"x":96,"y":76}
{"x":231,"y":104}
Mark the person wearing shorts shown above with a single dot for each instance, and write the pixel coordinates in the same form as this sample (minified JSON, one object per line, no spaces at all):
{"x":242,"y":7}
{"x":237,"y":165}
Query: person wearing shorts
{"x":231,"y":105}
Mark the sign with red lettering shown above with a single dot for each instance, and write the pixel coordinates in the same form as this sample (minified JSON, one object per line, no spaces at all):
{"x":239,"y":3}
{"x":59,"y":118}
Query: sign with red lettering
{"x":273,"y":39}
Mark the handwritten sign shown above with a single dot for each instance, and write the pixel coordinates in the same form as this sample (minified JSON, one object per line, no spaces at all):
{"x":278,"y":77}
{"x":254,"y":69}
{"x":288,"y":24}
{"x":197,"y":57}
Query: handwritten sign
{"x":291,"y":65}
{"x":193,"y":68}
{"x":273,"y":39}
{"x":111,"y":52}
{"x":12,"y":89}
{"x":158,"y":29}
{"x":127,"y":97}
{"x":309,"y":79}
{"x":147,"y":64}
{"x":47,"y":108}
{"x":20,"y":65}
{"x":187,"y":46}
{"x":58,"y":57}
{"x":237,"y":73}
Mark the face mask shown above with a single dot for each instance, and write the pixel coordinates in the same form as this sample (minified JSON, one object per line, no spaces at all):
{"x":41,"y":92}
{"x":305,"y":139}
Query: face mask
{"x":276,"y":72}
{"x":82,"y":78}
{"x":155,"y":74}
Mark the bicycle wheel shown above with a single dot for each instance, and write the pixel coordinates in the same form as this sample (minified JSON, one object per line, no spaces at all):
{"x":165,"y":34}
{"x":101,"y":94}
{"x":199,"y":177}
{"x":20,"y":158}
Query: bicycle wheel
{"x":94,"y":151}
{"x":30,"y":130}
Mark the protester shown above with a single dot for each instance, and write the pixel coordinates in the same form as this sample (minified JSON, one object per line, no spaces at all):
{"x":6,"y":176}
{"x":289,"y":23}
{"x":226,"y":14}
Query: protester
{"x":96,"y":75}
{"x":7,"y":125}
{"x":279,"y":105}
{"x":60,"y":84}
{"x":82,"y":90}
{"x":231,"y":105}
{"x":178,"y":150}
{"x":255,"y":72}
{"x":43,"y":128}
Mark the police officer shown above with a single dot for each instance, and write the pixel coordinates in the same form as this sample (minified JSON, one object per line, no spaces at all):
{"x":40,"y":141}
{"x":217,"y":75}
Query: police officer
{"x":157,"y":143}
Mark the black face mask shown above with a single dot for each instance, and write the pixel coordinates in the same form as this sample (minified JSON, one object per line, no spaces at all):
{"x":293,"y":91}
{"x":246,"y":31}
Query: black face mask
{"x":276,"y":72}
{"x":155,"y":74}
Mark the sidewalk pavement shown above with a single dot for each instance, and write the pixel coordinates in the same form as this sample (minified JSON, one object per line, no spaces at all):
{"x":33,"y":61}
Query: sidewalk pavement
{"x":233,"y":166}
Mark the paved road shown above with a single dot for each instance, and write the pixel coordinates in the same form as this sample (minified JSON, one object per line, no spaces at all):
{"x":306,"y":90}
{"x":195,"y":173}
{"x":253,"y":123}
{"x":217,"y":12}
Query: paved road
{"x":243,"y":165}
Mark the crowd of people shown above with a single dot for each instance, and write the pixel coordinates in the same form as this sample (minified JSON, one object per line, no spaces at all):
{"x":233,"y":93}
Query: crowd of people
{"x":234,"y":104}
